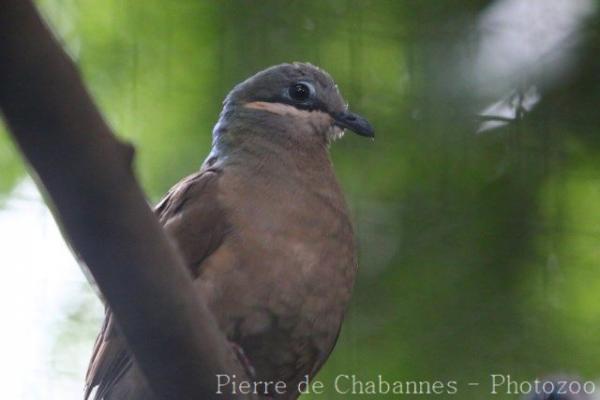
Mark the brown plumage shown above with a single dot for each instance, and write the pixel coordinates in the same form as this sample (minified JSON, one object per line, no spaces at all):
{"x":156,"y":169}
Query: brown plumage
{"x":264,"y":229}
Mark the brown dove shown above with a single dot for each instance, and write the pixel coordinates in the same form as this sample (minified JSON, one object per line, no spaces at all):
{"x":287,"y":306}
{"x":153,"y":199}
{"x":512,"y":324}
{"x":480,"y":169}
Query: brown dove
{"x":264,"y":229}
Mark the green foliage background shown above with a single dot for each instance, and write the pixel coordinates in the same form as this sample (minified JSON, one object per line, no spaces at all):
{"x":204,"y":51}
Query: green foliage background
{"x":480,"y":253}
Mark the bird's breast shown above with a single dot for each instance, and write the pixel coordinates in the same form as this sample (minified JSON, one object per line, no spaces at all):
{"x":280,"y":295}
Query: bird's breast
{"x":280,"y":281}
{"x":290,"y":239}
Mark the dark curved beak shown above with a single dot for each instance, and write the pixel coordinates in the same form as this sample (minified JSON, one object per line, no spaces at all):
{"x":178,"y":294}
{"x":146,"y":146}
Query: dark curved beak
{"x":354,"y":122}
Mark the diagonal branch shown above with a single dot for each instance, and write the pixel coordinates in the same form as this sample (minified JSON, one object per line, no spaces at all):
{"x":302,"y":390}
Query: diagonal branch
{"x":87,"y":174}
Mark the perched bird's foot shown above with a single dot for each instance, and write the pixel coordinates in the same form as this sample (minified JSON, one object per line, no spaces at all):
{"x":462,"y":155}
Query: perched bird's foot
{"x":250,"y":371}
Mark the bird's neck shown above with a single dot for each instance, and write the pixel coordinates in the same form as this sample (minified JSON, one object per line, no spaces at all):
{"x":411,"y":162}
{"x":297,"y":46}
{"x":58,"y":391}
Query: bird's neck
{"x":252,"y":139}
{"x":268,"y":156}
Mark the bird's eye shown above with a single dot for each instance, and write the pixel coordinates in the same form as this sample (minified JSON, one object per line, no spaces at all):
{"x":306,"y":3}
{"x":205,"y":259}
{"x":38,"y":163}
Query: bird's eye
{"x":300,"y":91}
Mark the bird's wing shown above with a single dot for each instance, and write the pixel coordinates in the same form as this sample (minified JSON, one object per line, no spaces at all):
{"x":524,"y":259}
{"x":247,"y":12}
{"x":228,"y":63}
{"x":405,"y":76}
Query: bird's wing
{"x":191,"y":214}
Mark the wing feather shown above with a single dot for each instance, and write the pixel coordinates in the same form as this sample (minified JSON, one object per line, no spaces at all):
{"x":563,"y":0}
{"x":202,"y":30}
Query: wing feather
{"x":192,"y":216}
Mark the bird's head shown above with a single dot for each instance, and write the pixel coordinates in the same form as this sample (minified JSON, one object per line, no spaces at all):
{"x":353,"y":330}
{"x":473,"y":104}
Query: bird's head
{"x":298,"y":95}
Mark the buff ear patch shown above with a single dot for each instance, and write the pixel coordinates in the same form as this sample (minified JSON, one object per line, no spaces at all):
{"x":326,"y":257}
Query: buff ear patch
{"x":285,"y":109}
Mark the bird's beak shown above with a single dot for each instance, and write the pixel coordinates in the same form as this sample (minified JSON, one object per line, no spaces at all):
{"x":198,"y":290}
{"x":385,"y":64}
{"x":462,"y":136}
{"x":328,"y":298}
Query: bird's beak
{"x":354,"y":122}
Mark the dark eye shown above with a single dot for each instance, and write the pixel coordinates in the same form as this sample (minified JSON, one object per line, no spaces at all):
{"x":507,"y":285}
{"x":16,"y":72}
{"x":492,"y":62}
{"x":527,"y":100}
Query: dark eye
{"x":300,"y":92}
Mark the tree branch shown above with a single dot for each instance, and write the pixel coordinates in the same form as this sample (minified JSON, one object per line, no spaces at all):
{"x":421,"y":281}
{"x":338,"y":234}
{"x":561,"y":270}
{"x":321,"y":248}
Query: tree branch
{"x":102,"y":210}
